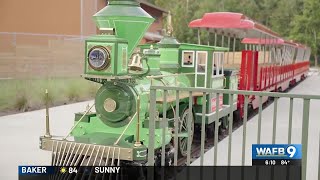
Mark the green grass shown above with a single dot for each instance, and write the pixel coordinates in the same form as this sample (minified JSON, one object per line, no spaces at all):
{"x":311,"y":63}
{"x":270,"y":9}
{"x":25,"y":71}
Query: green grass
{"x":23,"y":95}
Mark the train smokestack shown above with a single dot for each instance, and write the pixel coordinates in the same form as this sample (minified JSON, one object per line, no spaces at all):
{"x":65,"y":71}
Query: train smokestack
{"x":128,"y":20}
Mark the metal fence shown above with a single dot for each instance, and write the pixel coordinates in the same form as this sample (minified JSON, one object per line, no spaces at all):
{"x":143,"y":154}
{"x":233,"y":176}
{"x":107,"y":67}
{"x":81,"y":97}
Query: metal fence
{"x":303,"y":128}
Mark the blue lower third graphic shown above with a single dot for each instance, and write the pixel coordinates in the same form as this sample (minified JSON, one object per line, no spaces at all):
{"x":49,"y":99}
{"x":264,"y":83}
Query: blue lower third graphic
{"x":276,"y":154}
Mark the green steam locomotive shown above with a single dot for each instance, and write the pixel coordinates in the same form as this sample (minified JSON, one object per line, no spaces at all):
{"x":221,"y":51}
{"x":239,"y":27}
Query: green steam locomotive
{"x":118,"y":130}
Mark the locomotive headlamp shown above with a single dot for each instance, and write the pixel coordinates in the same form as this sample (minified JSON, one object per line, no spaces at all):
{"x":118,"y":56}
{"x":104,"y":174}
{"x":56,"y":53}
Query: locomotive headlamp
{"x":99,"y":58}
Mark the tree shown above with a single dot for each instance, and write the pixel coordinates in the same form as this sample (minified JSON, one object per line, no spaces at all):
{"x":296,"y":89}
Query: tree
{"x":297,"y":19}
{"x":283,"y":14}
{"x":305,"y":27}
{"x":182,"y":13}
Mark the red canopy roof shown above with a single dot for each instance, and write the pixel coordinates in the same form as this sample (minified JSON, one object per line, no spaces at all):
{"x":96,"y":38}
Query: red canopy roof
{"x":261,"y":41}
{"x":300,"y":45}
{"x":232,"y":24}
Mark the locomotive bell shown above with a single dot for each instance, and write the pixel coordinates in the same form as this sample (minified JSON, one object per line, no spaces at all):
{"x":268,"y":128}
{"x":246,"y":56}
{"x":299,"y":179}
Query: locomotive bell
{"x":136,"y":64}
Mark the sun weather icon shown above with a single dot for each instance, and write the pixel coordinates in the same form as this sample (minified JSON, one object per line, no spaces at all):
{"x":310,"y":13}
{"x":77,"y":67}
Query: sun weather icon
{"x":63,"y":170}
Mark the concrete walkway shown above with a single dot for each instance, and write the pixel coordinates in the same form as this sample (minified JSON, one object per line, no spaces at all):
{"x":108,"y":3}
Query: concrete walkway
{"x":19,"y":137}
{"x":310,"y":86}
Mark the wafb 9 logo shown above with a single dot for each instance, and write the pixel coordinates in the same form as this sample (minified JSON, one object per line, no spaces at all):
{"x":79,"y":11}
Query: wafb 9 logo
{"x":276,"y":151}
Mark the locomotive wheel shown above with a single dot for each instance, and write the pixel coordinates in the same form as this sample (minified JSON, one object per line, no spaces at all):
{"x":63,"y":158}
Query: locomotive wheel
{"x":210,"y":130}
{"x":183,"y":131}
{"x":225,"y":122}
{"x":236,"y":116}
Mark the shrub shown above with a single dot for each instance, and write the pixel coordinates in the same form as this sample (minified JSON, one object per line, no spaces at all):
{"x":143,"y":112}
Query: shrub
{"x":29,"y":94}
{"x":21,"y":102}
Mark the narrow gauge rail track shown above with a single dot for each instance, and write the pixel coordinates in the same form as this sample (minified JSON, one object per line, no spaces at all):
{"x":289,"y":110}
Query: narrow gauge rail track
{"x":209,"y":142}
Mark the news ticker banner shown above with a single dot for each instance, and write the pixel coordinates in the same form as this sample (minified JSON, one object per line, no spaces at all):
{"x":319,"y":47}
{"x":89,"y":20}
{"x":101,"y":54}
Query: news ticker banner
{"x":163,"y":173}
{"x":277,"y":154}
{"x":276,"y":161}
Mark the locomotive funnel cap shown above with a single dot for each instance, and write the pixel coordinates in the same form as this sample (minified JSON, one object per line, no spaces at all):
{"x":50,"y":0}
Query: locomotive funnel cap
{"x":128,"y":20}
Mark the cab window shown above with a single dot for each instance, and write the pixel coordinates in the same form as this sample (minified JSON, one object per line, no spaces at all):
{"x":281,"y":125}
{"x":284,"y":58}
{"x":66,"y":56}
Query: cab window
{"x":218,"y":58}
{"x":201,"y":62}
{"x":187,"y":58}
